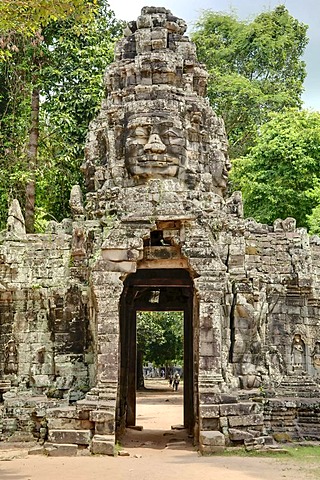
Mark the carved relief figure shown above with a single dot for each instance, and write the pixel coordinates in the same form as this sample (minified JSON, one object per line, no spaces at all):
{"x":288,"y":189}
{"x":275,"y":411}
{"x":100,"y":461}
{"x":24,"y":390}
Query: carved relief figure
{"x":316,"y":355}
{"x":11,"y":358}
{"x":298,"y":353}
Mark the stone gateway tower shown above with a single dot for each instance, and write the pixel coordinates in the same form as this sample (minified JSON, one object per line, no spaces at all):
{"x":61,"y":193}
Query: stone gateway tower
{"x":157,"y":232}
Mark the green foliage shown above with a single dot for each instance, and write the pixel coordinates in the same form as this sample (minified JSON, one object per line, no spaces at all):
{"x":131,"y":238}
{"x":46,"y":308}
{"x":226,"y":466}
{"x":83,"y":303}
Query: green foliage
{"x":29,"y":16}
{"x":72,"y":91}
{"x":280,"y":177}
{"x":255,"y":67}
{"x":313,"y":219}
{"x":160,"y":337}
{"x":66,"y":62}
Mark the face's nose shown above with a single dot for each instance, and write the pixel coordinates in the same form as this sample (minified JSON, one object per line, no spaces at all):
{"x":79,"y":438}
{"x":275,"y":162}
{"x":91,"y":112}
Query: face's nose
{"x":155,"y":144}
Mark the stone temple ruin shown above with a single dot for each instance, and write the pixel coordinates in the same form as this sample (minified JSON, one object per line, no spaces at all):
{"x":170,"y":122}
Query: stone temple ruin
{"x":157,"y":223}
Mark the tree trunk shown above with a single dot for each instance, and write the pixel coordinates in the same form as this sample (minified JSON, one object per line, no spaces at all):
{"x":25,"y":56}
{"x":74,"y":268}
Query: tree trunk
{"x":32,"y":154}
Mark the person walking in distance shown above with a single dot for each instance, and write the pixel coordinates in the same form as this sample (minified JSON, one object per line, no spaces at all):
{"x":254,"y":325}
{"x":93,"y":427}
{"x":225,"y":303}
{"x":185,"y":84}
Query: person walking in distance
{"x":176,"y":381}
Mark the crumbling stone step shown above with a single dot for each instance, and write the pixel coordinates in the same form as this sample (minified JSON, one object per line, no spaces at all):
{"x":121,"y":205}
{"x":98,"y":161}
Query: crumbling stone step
{"x":77,"y":437}
{"x":103,"y":445}
{"x":55,"y":450}
{"x":61,"y":450}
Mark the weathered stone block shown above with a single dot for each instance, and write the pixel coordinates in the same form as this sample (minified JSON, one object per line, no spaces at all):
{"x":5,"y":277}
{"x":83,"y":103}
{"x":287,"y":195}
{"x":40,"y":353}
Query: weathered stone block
{"x":254,"y":444}
{"x":208,"y":424}
{"x":78,"y":437}
{"x":239,"y":435}
{"x":223,"y":421}
{"x":101,"y":416}
{"x":238,"y":409}
{"x":69,"y":424}
{"x":209,"y":449}
{"x":124,"y":266}
{"x":209,"y":411}
{"x":212,"y":439}
{"x":246,"y":420}
{"x":103,"y":445}
{"x":61,"y":450}
{"x":120,"y":255}
{"x":37,"y":450}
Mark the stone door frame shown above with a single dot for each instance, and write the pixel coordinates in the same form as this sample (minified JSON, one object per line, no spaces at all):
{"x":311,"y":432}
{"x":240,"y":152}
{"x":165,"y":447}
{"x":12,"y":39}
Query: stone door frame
{"x":176,"y":293}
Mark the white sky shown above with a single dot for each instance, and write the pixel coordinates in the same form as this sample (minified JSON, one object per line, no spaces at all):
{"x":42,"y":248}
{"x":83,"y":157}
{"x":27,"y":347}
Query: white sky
{"x":306,"y":11}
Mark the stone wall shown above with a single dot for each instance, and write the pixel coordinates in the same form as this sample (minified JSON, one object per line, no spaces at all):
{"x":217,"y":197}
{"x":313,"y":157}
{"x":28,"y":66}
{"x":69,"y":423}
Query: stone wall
{"x":45,"y":332}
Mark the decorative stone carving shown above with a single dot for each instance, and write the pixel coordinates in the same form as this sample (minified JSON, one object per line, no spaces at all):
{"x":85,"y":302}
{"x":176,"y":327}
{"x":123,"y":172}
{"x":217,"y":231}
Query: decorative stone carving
{"x":75,"y":202}
{"x":16,"y":224}
{"x":298,"y":353}
{"x":316,"y":355}
{"x":234,"y":204}
{"x":11,"y":358}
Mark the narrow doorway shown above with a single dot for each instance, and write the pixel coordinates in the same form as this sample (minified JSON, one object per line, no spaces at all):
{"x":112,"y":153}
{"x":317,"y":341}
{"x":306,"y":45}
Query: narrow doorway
{"x":157,"y":290}
{"x":160,"y":374}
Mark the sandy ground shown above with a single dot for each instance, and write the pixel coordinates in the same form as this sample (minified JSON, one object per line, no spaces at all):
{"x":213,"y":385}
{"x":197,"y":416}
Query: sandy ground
{"x":155,"y":453}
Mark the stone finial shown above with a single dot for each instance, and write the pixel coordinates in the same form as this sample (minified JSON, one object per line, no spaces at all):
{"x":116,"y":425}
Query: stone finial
{"x":16,"y":225}
{"x":289,"y":224}
{"x":75,"y":202}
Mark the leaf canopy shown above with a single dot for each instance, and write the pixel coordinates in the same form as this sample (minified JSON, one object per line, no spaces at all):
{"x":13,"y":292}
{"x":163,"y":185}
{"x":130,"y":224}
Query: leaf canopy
{"x":255,"y":67}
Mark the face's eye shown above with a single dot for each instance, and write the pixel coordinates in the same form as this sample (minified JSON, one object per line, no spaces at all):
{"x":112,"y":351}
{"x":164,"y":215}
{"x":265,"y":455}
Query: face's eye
{"x":137,"y":136}
{"x":172,"y":137}
{"x":141,"y":132}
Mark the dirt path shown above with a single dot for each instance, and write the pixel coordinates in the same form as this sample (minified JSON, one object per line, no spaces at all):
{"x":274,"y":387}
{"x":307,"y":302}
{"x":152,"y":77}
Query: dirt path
{"x":155,"y":453}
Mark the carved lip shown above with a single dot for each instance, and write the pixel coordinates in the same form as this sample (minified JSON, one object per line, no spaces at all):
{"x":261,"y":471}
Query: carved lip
{"x":154,"y":161}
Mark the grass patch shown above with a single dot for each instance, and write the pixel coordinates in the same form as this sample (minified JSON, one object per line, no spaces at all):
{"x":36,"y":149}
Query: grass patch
{"x":307,"y":454}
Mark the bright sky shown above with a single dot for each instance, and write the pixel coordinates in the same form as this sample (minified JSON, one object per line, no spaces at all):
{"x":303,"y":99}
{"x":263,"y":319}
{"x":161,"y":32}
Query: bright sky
{"x":306,"y":11}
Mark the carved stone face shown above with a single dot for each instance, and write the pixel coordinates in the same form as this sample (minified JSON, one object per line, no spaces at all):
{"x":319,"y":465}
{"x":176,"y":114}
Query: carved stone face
{"x":220,"y":169}
{"x":155,"y":145}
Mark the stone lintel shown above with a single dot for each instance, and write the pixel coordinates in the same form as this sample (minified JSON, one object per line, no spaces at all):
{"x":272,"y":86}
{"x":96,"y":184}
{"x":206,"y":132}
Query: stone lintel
{"x":165,"y":263}
{"x":159,"y":218}
{"x":118,"y":266}
{"x":120,"y":254}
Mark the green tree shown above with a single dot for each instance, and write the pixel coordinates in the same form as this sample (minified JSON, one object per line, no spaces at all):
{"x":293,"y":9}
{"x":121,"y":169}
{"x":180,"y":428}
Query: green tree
{"x":159,"y":339}
{"x":41,"y":150}
{"x":28,"y":17}
{"x":72,"y":93}
{"x":280,"y":177}
{"x":254,"y":67}
{"x":21,"y":25}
